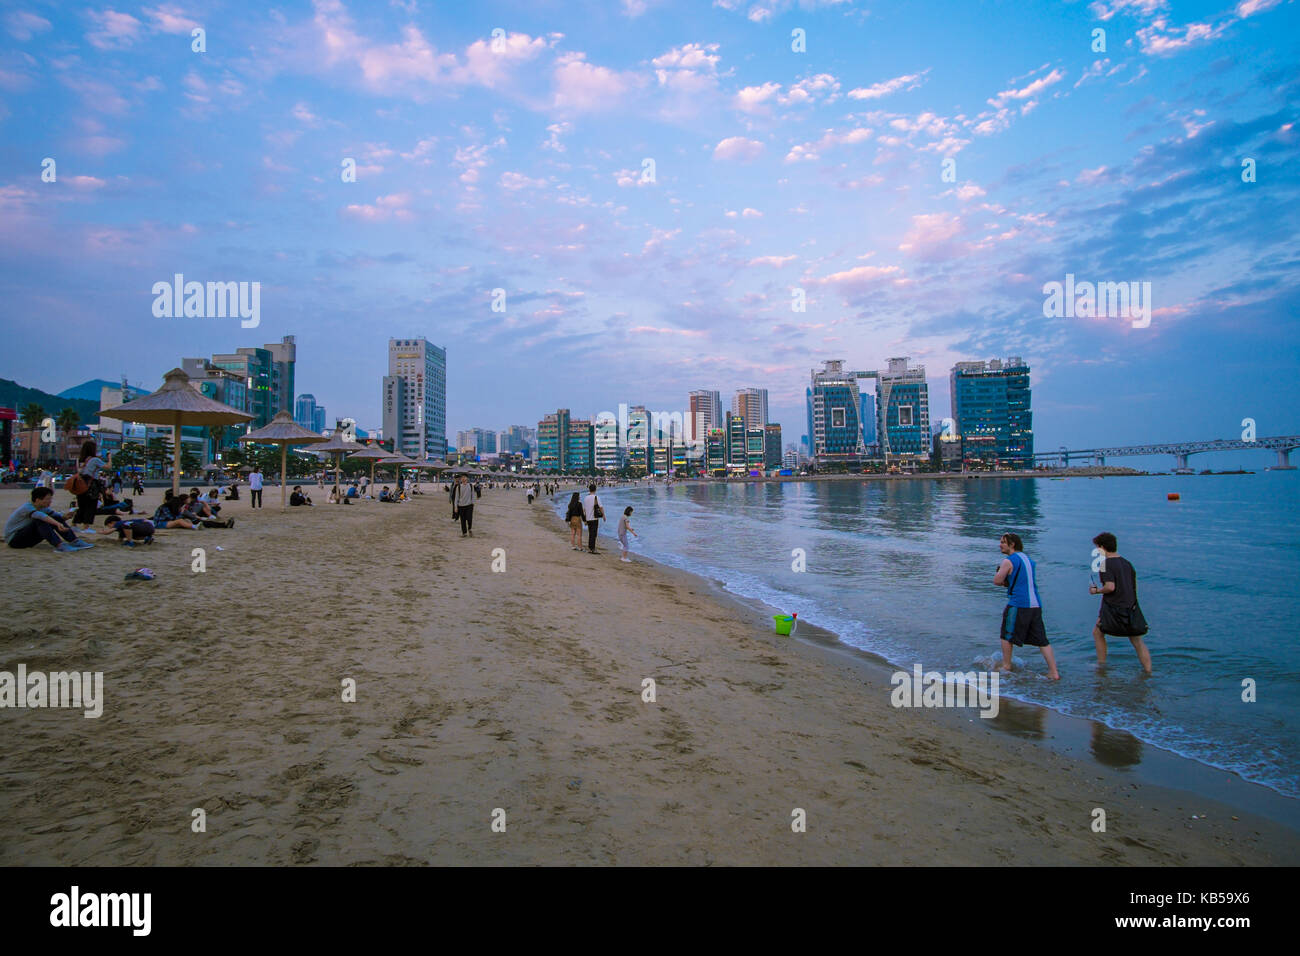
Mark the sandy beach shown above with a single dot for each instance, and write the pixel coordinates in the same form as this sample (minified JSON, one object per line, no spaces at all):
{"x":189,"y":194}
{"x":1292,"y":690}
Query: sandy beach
{"x":519,"y":690}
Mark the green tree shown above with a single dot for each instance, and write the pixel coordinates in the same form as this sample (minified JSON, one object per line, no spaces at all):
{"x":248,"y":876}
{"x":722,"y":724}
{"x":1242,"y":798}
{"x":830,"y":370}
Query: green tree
{"x":68,"y":420}
{"x":191,"y":463}
{"x":156,"y":454}
{"x":33,"y":415}
{"x":130,"y":454}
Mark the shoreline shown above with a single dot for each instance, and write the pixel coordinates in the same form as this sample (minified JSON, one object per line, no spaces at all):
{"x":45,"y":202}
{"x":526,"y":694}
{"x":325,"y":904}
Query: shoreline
{"x":520,"y":690}
{"x":1108,"y":748}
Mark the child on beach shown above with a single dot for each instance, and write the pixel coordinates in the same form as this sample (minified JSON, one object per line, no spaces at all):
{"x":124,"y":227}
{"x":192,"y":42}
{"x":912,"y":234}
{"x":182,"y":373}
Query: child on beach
{"x":624,"y":526}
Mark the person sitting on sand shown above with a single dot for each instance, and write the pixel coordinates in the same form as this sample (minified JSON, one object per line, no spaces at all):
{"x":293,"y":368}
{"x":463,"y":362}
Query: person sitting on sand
{"x":131,"y":531}
{"x":232,"y":494}
{"x":34,"y":521}
{"x":167,"y":514}
{"x":297,"y":499}
{"x":109,"y":505}
{"x":195,"y":510}
{"x":1022,"y":618}
{"x":385,"y":495}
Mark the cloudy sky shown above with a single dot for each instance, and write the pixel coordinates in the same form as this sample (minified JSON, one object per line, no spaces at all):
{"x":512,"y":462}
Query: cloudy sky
{"x":649,"y":181}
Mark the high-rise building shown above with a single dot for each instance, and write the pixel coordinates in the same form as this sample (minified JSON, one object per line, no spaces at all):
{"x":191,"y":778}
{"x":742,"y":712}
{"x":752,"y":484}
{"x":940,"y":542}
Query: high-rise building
{"x":771,"y":446}
{"x":751,"y":405}
{"x":903,"y":408}
{"x":304,"y":411}
{"x":221,"y":385}
{"x":268,"y":377}
{"x":580,"y":447}
{"x":715,"y":451}
{"x":705,"y":413}
{"x":318,"y":420}
{"x":755,"y":448}
{"x":790,"y":459}
{"x":516,"y":440}
{"x":867,"y":416}
{"x":737,"y":447}
{"x":833,"y":407}
{"x":552,"y":441}
{"x":609,"y":456}
{"x":415,"y":398}
{"x":482,"y":441}
{"x":991,"y":411}
{"x":638,"y":438}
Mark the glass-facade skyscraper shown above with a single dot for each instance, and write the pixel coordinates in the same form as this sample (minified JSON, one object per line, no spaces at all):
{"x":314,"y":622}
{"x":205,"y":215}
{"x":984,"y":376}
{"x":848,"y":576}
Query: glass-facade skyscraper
{"x":991,"y":411}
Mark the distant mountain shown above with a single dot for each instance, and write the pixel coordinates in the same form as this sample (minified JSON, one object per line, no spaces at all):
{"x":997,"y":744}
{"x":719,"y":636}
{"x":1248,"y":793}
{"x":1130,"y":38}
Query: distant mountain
{"x":18,"y":397}
{"x":88,"y":391}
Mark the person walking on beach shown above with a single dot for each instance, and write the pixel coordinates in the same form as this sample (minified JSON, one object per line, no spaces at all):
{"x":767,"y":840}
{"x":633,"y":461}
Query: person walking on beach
{"x":462,"y":501}
{"x":624,"y":526}
{"x":1022,"y":618}
{"x":117,"y":484}
{"x":574,"y":517}
{"x":137,"y":484}
{"x":1120,"y":615}
{"x":255,"y":488}
{"x":592,"y":512}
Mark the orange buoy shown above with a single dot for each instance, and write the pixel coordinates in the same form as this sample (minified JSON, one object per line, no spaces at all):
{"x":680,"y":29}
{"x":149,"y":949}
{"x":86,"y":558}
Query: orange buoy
{"x":1173,"y":496}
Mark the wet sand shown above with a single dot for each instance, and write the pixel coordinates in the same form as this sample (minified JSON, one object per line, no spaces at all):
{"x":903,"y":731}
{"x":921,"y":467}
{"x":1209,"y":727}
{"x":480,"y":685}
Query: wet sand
{"x":519,"y":691}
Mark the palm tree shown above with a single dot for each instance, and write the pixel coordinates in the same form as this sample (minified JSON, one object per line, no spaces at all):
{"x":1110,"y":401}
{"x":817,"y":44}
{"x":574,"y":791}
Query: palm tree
{"x":33,"y":415}
{"x":68,"y":420}
{"x":216,"y":433}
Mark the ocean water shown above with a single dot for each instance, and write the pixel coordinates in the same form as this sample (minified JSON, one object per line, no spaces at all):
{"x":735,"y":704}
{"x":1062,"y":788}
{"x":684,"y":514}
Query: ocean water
{"x":904,"y":569}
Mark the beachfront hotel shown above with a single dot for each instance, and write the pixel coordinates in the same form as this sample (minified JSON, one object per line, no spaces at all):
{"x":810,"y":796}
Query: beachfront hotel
{"x":903,"y":405}
{"x":834,"y":407}
{"x":991,"y":412}
{"x":415,"y":398}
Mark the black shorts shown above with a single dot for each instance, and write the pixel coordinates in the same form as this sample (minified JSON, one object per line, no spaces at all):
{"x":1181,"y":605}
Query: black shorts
{"x":1024,"y":625}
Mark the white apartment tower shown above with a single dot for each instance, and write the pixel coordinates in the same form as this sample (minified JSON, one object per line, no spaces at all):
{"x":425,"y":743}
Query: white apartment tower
{"x":415,"y":398}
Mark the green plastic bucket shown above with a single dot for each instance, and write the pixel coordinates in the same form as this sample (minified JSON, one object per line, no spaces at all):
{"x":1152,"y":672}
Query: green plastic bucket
{"x":783,"y":623}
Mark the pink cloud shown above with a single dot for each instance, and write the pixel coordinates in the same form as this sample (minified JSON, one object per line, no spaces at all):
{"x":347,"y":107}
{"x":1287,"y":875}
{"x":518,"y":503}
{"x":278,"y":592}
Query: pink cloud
{"x":877,"y":90}
{"x":738,"y":148}
{"x":112,"y":30}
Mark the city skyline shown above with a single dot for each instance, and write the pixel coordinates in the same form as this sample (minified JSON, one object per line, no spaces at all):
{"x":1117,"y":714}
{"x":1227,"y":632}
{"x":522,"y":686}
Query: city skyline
{"x":777,"y":178}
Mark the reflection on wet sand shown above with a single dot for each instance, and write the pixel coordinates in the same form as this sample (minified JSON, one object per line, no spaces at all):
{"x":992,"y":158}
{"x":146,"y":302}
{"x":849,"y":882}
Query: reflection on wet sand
{"x":1115,"y":748}
{"x":1020,"y":719}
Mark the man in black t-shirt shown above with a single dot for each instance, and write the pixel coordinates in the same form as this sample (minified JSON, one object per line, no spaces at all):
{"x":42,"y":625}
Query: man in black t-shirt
{"x":1120,"y":615}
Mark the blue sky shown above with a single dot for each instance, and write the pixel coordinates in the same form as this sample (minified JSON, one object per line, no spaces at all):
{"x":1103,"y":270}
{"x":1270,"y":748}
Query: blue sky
{"x":519,"y":165}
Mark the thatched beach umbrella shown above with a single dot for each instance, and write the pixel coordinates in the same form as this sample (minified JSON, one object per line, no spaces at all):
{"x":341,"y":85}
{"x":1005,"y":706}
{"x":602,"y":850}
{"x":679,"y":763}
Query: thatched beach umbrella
{"x":401,"y":461}
{"x":176,"y":404}
{"x":376,"y":454}
{"x":336,"y":446}
{"x":283,"y":431}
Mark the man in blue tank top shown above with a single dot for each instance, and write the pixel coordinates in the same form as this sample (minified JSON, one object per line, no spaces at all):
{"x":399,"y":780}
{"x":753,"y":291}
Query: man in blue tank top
{"x":1022,"y":618}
